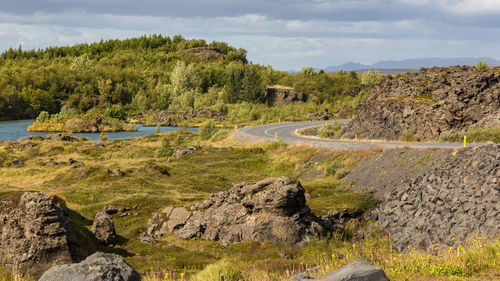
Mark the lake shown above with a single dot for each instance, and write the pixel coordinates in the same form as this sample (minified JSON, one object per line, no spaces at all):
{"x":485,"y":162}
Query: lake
{"x":14,"y":130}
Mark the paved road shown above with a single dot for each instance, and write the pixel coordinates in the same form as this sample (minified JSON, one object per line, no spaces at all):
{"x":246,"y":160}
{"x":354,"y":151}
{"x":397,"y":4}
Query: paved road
{"x":286,"y":131}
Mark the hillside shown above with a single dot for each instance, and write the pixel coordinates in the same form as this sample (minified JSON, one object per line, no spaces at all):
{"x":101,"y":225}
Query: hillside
{"x":121,"y":78}
{"x":446,"y":102}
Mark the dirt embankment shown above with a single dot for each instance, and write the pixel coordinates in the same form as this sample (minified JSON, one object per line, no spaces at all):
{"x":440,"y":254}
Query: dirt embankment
{"x":428,"y":103}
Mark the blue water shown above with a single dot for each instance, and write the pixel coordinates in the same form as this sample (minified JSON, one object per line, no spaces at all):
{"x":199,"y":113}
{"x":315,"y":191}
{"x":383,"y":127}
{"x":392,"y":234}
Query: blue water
{"x":14,"y":130}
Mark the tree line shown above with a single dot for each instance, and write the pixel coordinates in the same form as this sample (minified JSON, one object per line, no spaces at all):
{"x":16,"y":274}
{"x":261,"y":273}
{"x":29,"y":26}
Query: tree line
{"x":145,"y":73}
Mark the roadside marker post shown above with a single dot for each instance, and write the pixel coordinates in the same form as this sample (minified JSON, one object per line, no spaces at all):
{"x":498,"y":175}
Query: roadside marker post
{"x":356,"y":137}
{"x":465,"y":141}
{"x":326,"y":123}
{"x":275,"y":136}
{"x":279,"y":121}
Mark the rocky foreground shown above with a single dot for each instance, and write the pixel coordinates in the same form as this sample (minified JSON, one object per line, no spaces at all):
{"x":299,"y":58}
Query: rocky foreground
{"x":428,"y":103}
{"x":448,"y":206}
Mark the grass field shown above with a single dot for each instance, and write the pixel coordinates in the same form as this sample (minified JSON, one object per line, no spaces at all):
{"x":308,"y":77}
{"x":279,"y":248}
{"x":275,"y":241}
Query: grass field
{"x":151,"y":183}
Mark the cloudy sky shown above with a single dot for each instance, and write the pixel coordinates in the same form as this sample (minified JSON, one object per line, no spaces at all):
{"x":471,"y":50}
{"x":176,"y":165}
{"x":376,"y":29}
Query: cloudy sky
{"x":287,"y":34}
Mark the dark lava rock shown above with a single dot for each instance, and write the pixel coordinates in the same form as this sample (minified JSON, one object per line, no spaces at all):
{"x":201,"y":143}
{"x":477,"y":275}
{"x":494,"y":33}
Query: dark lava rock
{"x":449,"y":205}
{"x":97,"y":267}
{"x":62,"y":137}
{"x":283,"y":95}
{"x":34,"y":234}
{"x":116,"y":173}
{"x":429,"y":102}
{"x":273,"y":210}
{"x":104,"y":228}
{"x":359,"y":270}
{"x":15,"y":163}
{"x":180,"y":152}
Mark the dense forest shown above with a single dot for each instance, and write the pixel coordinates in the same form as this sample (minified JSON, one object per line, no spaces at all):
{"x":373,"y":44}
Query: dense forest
{"x":122,"y":77}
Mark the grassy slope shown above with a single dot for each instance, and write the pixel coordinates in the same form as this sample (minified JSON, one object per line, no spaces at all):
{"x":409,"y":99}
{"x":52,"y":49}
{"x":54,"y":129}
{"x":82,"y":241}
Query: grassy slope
{"x":193,"y":178}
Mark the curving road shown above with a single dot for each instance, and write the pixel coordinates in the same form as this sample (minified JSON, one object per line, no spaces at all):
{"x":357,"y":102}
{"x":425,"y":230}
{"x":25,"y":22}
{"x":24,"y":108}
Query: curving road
{"x":286,"y":132}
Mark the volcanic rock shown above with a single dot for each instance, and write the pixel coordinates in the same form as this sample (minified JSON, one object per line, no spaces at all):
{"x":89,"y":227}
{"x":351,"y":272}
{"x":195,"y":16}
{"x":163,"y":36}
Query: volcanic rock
{"x":97,"y":267}
{"x":450,"y":205}
{"x":273,"y":210}
{"x":428,"y":103}
{"x":34,"y":234}
{"x":104,"y":228}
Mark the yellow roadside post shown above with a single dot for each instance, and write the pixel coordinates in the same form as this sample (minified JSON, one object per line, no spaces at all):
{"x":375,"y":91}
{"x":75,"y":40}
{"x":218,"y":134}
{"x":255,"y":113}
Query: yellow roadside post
{"x":355,"y":137}
{"x":465,"y":141}
{"x":326,"y":123}
{"x":279,"y":121}
{"x":275,"y":136}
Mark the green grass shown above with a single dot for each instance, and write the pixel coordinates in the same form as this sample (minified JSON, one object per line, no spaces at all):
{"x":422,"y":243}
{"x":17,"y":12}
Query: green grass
{"x":151,"y":183}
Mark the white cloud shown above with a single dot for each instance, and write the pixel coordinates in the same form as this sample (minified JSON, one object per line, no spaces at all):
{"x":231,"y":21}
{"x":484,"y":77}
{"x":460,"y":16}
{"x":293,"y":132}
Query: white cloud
{"x":472,"y":7}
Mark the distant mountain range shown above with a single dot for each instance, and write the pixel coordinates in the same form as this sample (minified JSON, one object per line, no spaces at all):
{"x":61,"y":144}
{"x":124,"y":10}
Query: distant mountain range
{"x":393,"y":66}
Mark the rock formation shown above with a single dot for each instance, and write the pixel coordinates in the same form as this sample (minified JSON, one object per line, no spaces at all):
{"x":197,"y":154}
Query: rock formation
{"x":97,"y":267}
{"x":273,"y":210}
{"x":359,"y":270}
{"x":34,"y":234}
{"x":281,"y":95}
{"x":104,"y":228}
{"x":447,"y":206}
{"x":428,"y":103}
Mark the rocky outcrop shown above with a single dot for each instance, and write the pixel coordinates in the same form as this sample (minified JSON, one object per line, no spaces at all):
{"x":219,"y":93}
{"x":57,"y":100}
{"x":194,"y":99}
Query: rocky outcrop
{"x":104,"y":228}
{"x":273,"y":210}
{"x":428,"y":103}
{"x":97,"y":267}
{"x":203,"y":53}
{"x":447,"y":206}
{"x":359,"y":270}
{"x":170,"y":118}
{"x":185,"y":151}
{"x":281,"y":95}
{"x":34,"y":234}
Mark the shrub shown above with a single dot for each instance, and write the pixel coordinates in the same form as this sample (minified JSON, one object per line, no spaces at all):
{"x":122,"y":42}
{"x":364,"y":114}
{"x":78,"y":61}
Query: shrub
{"x":207,"y":130}
{"x":328,"y":131}
{"x":179,"y":140}
{"x":116,"y":111}
{"x":409,"y":135}
{"x":370,"y":78}
{"x":221,"y":271}
{"x":43,"y":117}
{"x":482,"y":65}
{"x":157,"y":130}
{"x":165,"y":149}
{"x":484,"y":135}
{"x":103,"y":136}
{"x":220,"y":134}
{"x":449,"y":136}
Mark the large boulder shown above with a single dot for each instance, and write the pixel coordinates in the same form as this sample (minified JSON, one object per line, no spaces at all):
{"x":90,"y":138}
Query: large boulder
{"x":97,"y":267}
{"x":273,"y":210}
{"x":359,"y":270}
{"x":34,"y":234}
{"x":104,"y":228}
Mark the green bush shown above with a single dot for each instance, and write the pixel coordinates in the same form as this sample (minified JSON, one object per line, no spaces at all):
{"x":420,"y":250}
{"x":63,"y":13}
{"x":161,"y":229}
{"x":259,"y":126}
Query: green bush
{"x":328,"y":131}
{"x":482,"y":65}
{"x":43,"y":117}
{"x":449,"y":136}
{"x":207,"y":130}
{"x":103,"y":136}
{"x":116,"y":111}
{"x":221,"y":271}
{"x":370,"y":78}
{"x":484,"y":135}
{"x":220,"y":134}
{"x":409,"y":135}
{"x":165,"y":149}
{"x":179,"y":140}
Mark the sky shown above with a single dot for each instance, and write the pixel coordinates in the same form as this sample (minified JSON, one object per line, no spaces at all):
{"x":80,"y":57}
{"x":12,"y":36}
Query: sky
{"x":287,"y":34}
